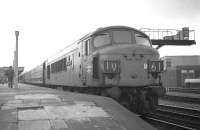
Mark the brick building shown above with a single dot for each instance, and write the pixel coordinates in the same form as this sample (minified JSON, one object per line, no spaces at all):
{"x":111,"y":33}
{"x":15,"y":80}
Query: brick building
{"x":179,"y":68}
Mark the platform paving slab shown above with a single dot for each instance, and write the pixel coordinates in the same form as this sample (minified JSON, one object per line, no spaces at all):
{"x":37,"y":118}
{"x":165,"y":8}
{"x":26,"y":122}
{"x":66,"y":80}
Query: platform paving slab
{"x":9,"y":126}
{"x":8,"y":116}
{"x":37,"y":108}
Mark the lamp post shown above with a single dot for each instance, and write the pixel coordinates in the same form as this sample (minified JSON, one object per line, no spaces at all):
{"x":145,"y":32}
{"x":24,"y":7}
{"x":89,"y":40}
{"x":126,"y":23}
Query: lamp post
{"x":14,"y":80}
{"x":16,"y":60}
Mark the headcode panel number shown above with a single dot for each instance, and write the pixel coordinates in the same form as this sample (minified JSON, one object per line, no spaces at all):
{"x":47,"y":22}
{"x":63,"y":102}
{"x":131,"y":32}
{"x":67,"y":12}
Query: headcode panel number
{"x":155,"y":66}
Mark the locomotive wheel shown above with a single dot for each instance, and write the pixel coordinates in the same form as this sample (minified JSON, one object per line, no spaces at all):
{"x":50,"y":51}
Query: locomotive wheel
{"x":114,"y":92}
{"x":153,"y":102}
{"x":104,"y":93}
{"x":152,"y":98}
{"x":142,"y":104}
{"x":125,"y":100}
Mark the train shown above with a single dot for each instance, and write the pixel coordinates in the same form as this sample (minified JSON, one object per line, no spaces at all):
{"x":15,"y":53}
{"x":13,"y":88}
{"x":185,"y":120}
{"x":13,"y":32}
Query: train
{"x":116,"y":61}
{"x":192,"y":83}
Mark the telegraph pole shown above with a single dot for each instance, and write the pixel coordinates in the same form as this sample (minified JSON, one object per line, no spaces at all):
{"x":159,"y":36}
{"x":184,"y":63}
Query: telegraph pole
{"x":16,"y":61}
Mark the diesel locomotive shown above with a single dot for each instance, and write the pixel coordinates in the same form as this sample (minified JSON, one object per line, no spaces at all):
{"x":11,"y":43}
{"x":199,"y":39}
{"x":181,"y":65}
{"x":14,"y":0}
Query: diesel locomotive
{"x":116,"y":61}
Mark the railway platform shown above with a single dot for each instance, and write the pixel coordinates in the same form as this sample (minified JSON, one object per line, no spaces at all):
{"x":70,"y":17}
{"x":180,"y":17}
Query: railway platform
{"x":179,"y":104}
{"x":37,"y":108}
{"x":180,"y":94}
{"x":183,"y":97}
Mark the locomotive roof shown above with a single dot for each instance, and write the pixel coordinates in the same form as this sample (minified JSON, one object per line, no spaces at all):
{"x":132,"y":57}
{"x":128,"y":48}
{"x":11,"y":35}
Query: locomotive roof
{"x":111,"y":27}
{"x":62,"y":53}
{"x":116,"y":27}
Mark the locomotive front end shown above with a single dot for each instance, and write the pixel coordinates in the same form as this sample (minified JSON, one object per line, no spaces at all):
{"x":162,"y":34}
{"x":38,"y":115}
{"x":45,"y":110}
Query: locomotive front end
{"x":129,"y":66}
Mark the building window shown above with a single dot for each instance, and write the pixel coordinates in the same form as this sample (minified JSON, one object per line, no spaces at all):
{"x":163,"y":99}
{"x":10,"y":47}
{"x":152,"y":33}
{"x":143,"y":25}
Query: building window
{"x":183,"y":71}
{"x":191,"y":71}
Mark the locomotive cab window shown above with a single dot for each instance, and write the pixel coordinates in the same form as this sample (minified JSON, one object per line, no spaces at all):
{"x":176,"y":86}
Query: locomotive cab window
{"x":142,"y":39}
{"x":102,"y":39}
{"x":122,"y":36}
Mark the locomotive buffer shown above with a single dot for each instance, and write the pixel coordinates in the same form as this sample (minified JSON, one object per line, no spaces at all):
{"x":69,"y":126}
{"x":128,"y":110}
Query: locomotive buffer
{"x":162,"y":37}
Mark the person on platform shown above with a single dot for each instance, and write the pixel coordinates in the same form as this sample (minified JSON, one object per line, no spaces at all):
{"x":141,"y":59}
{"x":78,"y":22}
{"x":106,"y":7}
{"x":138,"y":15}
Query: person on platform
{"x":10,"y":74}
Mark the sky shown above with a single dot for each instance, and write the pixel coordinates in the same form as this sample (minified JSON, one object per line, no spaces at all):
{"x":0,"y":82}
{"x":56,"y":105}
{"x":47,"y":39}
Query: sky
{"x":47,"y":26}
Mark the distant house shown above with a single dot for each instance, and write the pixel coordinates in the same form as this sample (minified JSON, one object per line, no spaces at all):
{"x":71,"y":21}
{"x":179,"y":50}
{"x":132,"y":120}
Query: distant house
{"x":180,"y":68}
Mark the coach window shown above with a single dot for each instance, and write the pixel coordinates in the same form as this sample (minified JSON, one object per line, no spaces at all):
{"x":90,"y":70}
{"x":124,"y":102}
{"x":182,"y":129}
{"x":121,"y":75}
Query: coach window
{"x":64,"y":64}
{"x":48,"y":72}
{"x":79,"y":54}
{"x":68,"y":58}
{"x":72,"y":61}
{"x":102,"y":40}
{"x":52,"y":68}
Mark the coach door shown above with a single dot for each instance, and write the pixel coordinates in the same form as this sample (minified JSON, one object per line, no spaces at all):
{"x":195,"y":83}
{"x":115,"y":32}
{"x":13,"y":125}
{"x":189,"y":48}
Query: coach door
{"x":86,"y":50}
{"x":43,"y":73}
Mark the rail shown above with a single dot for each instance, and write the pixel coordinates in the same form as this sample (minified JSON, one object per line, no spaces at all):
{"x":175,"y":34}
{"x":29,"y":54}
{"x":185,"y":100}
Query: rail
{"x":155,"y":121}
{"x":180,"y":98}
{"x":184,"y":90}
{"x":174,"y":117}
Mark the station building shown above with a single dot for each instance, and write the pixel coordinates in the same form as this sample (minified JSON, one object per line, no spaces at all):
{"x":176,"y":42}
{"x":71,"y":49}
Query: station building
{"x":179,"y":68}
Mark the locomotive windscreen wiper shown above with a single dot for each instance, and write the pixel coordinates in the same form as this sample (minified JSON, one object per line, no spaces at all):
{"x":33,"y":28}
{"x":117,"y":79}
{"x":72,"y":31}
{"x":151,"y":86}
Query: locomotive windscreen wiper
{"x":141,"y":36}
{"x":102,"y":34}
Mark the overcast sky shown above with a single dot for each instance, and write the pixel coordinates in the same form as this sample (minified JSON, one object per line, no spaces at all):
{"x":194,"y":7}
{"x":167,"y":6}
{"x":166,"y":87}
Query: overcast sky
{"x":47,"y":26}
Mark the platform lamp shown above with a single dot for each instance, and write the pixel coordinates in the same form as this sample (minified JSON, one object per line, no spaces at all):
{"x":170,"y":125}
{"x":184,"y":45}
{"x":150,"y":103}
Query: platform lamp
{"x":16,"y":60}
{"x":14,"y":69}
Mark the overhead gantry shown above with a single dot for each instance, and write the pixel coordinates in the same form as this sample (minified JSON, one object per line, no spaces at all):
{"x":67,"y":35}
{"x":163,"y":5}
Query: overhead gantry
{"x":163,"y":37}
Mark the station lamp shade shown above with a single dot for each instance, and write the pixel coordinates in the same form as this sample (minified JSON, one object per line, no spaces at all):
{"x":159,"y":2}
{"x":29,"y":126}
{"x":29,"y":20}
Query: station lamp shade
{"x":17,"y":33}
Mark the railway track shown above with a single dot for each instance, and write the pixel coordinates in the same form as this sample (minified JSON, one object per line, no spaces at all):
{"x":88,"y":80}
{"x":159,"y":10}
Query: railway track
{"x":171,"y":117}
{"x":182,"y":99}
